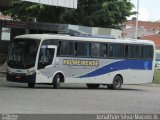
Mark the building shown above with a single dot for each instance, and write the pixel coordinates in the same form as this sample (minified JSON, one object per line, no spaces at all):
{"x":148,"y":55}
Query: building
{"x":5,"y":36}
{"x":61,"y":3}
{"x":3,"y":17}
{"x":155,"y":38}
{"x":96,"y":30}
{"x":146,"y":30}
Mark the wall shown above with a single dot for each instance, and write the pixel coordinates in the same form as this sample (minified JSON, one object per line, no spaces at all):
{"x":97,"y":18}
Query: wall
{"x":116,"y":33}
{"x":96,"y":30}
{"x":62,"y":3}
{"x":3,"y":51}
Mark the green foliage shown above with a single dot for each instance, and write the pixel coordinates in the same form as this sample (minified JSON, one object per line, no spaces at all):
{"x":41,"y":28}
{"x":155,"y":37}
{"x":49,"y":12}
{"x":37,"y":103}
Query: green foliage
{"x":156,"y":76}
{"x":100,"y":13}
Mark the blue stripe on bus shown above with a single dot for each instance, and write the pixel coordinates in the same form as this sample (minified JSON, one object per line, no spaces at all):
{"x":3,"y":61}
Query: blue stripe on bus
{"x":120,"y":65}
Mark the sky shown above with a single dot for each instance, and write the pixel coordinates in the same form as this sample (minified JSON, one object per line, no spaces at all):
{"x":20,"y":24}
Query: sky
{"x":149,"y":10}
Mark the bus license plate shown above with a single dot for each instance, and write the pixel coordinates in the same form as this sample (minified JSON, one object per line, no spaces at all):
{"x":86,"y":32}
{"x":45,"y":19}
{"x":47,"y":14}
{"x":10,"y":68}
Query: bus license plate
{"x":18,"y":77}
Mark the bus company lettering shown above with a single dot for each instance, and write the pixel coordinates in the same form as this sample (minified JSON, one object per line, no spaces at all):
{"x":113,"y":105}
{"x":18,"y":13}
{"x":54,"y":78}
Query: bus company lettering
{"x":78,"y":62}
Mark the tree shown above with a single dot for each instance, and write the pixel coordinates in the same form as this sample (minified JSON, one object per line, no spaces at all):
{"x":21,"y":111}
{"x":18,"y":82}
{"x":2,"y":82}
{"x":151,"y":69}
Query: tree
{"x":5,"y":3}
{"x":100,"y":13}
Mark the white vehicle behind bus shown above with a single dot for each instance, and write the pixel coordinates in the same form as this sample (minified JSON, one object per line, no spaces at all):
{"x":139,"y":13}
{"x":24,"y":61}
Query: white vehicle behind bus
{"x":93,"y":60}
{"x":158,"y":65}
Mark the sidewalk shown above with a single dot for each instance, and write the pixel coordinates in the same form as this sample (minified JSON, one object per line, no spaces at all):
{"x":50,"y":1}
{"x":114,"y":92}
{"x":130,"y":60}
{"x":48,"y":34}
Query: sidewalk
{"x":3,"y":68}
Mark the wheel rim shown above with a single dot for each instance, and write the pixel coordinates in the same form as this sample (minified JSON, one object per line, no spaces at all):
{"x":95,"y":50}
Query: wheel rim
{"x":58,"y":81}
{"x":117,"y":83}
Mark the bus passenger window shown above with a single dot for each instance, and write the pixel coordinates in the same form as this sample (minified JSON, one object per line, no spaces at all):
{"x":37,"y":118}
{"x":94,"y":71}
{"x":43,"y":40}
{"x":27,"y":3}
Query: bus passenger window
{"x":67,"y":48}
{"x":95,"y":50}
{"x":104,"y":51}
{"x":147,"y":52}
{"x":116,"y":50}
{"x":82,"y":49}
{"x":133,"y":51}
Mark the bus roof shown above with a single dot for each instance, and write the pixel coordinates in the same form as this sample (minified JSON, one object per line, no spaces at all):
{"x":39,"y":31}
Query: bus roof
{"x":96,"y":38}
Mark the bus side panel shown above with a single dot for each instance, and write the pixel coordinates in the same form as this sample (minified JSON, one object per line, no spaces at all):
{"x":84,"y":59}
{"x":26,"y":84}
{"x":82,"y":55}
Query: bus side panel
{"x":132,"y":71}
{"x":46,"y":75}
{"x":129,"y":77}
{"x":137,"y":76}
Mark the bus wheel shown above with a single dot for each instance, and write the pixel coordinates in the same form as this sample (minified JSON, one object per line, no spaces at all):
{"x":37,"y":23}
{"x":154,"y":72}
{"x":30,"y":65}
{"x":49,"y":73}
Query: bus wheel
{"x":31,"y":85}
{"x":93,"y":86}
{"x":117,"y":82}
{"x":56,"y":81}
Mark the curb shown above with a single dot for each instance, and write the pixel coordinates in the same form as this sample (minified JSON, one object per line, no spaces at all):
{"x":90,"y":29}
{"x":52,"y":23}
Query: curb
{"x":150,"y":85}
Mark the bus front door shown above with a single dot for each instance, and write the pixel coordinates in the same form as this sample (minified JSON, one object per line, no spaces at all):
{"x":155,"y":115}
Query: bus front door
{"x":46,"y":63}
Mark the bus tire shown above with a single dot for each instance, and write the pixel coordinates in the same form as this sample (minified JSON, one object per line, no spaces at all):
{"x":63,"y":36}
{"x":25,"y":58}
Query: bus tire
{"x":117,"y":82}
{"x":93,"y":86}
{"x":31,"y":85}
{"x":56,"y":81}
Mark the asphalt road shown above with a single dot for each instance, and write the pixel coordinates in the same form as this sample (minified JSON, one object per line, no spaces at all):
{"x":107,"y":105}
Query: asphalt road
{"x":76,"y":99}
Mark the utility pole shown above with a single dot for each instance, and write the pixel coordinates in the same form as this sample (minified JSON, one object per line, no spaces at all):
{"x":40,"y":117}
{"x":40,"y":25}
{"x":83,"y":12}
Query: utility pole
{"x":136,"y":33}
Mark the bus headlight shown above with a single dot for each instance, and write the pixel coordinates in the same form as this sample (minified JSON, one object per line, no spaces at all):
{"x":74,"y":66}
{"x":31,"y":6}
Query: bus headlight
{"x":31,"y":72}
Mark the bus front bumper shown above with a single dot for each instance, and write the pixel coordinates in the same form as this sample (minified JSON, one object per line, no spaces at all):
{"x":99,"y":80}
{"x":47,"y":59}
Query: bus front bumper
{"x":21,"y":78}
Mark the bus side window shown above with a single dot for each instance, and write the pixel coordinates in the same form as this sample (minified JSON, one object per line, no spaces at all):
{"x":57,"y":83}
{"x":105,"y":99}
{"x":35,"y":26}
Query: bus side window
{"x":82,"y":49}
{"x":67,"y":48}
{"x":95,"y":50}
{"x":116,"y":50}
{"x":58,"y":48}
{"x":147,"y":52}
{"x":126,"y":51}
{"x":133,"y":52}
{"x":104,"y":50}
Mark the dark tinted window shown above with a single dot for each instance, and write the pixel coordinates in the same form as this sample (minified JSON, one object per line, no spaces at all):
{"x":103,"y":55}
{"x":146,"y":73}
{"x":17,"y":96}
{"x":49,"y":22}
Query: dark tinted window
{"x":50,"y":42}
{"x":83,"y":49}
{"x":104,"y":50}
{"x":95,"y":49}
{"x":67,"y":48}
{"x":147,"y":52}
{"x":132,"y":51}
{"x":116,"y":50}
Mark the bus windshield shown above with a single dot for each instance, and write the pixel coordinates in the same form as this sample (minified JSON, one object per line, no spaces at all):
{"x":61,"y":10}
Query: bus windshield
{"x":23,"y":53}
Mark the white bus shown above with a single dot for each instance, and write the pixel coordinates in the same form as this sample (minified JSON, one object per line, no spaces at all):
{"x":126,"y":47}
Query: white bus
{"x":93,"y":60}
